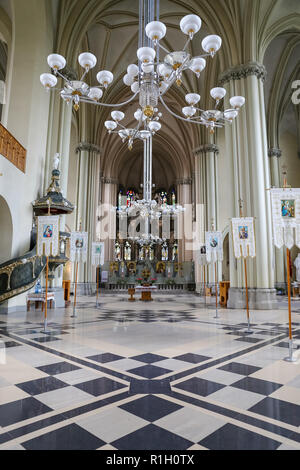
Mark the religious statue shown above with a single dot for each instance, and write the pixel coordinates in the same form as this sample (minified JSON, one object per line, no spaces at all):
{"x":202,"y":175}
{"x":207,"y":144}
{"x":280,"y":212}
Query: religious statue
{"x":141,"y":254}
{"x":127,"y":252}
{"x":164,"y":252}
{"x":117,"y":251}
{"x":173,"y":199}
{"x":56,"y":161}
{"x":297,"y":266}
{"x":175,"y":252}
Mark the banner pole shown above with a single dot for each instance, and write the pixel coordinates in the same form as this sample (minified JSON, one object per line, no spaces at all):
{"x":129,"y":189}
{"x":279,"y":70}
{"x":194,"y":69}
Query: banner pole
{"x":98,"y":273}
{"x":204,"y":284}
{"x":75,"y":294}
{"x":249,"y":331}
{"x":290,"y":358}
{"x":216,"y":283}
{"x":46,"y":299}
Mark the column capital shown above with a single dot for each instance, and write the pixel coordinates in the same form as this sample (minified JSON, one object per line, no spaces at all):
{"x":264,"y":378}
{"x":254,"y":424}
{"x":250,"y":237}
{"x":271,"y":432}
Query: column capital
{"x":87,"y":147}
{"x":243,"y":71}
{"x":109,"y":180}
{"x":274,"y":153}
{"x":182,"y":181}
{"x":206,"y":148}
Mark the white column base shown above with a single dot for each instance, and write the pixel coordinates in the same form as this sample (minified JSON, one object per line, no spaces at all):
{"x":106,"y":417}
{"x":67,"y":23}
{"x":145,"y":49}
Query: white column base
{"x":259,"y":299}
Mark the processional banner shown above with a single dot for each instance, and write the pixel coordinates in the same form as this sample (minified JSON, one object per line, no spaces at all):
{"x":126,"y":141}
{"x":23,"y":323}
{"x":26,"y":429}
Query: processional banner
{"x":201,"y":256}
{"x":214,"y":246}
{"x":286,"y":217}
{"x":243,"y":237}
{"x":48,"y":235}
{"x":97,"y":253}
{"x":79,"y":246}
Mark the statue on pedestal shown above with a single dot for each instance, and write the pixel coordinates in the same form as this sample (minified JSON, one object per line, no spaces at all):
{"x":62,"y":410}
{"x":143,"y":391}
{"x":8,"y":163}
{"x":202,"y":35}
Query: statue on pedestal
{"x":297,"y":266}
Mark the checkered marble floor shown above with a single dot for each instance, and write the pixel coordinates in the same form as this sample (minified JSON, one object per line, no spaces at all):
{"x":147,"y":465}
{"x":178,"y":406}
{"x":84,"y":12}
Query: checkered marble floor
{"x":164,"y":375}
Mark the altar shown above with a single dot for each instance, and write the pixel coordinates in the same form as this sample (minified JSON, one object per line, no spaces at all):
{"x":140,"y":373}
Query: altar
{"x":146,"y":292}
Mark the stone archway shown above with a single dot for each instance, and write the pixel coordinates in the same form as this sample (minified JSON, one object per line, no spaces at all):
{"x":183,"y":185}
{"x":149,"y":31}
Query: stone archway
{"x":6,"y":231}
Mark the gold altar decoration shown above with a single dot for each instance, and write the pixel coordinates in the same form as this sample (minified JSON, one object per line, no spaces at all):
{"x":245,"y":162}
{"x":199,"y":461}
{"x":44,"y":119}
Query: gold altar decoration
{"x":114,"y":267}
{"x":178,"y":267}
{"x":160,"y":267}
{"x":131,"y":266}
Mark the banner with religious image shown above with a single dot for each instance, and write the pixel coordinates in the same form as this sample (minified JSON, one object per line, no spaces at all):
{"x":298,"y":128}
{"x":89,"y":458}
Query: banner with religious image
{"x":79,"y":246}
{"x":48,"y":235}
{"x":286,"y":217}
{"x":214,"y":246}
{"x":97,"y":253}
{"x":201,"y":256}
{"x":243,"y":237}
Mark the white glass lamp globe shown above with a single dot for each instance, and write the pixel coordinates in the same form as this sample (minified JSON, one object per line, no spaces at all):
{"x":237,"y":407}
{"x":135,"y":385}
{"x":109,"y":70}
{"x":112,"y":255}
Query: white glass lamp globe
{"x":147,"y":68}
{"x":110,"y":125}
{"x":230,"y":114}
{"x":56,"y":61}
{"x":48,"y":80}
{"x":218,"y":93}
{"x":154,"y":126}
{"x":135,"y":87}
{"x":95,"y":93}
{"x":156,"y":30}
{"x":87,"y":60}
{"x":189,"y":111}
{"x":163,"y":86}
{"x":132,"y":70}
{"x":198,"y":65}
{"x":164,"y":71}
{"x":192,"y":99}
{"x":128,"y":79}
{"x":211,"y":44}
{"x":105,"y":78}
{"x":146,"y":54}
{"x":117,"y":115}
{"x":237,"y":102}
{"x":138,"y":114}
{"x":64,"y":95}
{"x":190,"y":25}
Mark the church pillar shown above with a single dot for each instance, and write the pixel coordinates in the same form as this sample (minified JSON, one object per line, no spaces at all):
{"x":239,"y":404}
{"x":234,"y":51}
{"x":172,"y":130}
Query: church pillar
{"x":108,"y":228}
{"x":207,"y":193}
{"x":280,"y":266}
{"x":185,"y":219}
{"x":247,"y":144}
{"x":86,"y":206}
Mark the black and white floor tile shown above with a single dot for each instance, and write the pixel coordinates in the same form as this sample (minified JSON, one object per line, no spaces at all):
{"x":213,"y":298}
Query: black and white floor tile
{"x":165,"y":375}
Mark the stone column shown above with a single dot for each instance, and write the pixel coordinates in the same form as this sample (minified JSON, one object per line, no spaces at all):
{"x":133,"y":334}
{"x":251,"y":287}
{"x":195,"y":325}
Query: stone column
{"x":86,"y":202}
{"x":185,"y":219}
{"x":108,"y":229}
{"x":247,"y":144}
{"x":207,"y":173}
{"x":280,"y":263}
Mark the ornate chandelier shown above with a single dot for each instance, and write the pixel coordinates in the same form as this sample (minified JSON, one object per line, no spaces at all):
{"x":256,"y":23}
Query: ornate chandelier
{"x":150,"y":79}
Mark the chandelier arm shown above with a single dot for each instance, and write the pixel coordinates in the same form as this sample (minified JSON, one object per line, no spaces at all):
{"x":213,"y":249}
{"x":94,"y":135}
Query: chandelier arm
{"x":186,"y":44}
{"x":84,"y":75}
{"x":64,"y":78}
{"x":85,"y":100}
{"x":179,"y":117}
{"x":163,"y":48}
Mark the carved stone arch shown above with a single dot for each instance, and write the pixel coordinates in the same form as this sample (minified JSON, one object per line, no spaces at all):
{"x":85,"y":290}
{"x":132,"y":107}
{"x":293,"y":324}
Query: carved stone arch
{"x":278,"y":91}
{"x":289,"y":23}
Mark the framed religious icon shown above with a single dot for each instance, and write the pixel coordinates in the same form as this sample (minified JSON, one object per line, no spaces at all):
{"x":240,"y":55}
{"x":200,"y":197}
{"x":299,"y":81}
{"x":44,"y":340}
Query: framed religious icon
{"x":48,"y":235}
{"x":243,"y":237}
{"x":214,"y":246}
{"x":285,"y":204}
{"x":79,"y":246}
